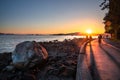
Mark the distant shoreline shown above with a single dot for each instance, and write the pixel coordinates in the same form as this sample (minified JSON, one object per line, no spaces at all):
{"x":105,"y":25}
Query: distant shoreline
{"x":59,"y":34}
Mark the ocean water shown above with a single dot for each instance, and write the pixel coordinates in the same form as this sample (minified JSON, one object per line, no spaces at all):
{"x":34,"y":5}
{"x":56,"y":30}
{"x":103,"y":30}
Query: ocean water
{"x":8,"y":42}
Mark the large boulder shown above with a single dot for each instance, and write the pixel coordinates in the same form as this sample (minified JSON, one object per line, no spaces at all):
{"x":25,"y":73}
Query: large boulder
{"x":28,"y":54}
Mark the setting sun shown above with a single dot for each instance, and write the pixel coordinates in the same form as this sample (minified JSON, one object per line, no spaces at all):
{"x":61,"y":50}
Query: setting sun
{"x":89,"y":31}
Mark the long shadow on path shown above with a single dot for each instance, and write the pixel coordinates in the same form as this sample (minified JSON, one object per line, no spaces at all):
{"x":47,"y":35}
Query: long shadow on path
{"x":110,"y":56}
{"x":93,"y":69}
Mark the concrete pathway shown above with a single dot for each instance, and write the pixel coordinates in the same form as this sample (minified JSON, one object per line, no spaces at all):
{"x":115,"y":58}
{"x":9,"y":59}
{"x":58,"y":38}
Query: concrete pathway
{"x":103,"y":61}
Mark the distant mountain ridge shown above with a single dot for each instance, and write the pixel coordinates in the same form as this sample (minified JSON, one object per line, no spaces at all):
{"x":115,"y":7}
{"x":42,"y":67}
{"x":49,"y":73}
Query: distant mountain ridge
{"x":75,"y":33}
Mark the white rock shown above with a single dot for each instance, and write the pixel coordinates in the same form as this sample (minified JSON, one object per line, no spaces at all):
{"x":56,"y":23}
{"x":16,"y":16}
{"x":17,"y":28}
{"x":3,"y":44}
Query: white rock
{"x":27,"y":52}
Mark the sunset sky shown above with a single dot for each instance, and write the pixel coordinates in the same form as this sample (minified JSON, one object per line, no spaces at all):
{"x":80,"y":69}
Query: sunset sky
{"x":50,"y":16}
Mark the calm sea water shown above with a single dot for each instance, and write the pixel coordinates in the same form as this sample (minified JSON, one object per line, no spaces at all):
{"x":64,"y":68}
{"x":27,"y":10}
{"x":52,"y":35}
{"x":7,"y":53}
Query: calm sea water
{"x":8,"y":42}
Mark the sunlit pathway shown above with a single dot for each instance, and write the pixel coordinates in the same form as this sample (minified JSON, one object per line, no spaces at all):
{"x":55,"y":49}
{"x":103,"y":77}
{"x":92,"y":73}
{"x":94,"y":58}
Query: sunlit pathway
{"x":106,"y":61}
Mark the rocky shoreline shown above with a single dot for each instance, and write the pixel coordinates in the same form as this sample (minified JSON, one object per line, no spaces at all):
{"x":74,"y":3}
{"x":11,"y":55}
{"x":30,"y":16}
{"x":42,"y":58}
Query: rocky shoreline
{"x":60,"y":64}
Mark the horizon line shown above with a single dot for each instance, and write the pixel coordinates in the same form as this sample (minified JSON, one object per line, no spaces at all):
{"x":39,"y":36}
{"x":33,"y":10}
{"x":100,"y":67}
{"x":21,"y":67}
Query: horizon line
{"x":80,"y":33}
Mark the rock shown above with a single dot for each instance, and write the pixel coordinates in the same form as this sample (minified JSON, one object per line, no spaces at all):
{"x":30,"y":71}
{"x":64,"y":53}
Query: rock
{"x":68,"y":72}
{"x":9,"y":68}
{"x":28,"y":54}
{"x":5,"y":59}
{"x":52,"y":77}
{"x":62,"y":54}
{"x":28,"y":76}
{"x":62,"y":68}
{"x":53,"y":71}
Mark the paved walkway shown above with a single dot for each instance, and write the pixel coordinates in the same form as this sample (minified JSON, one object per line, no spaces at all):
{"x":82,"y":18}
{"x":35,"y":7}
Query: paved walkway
{"x":103,"y":61}
{"x":116,"y":44}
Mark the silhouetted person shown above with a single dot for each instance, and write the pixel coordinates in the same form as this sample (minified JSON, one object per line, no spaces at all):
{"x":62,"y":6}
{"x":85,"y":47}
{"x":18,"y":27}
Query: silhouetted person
{"x":99,"y":39}
{"x":86,"y":36}
{"x":90,"y":38}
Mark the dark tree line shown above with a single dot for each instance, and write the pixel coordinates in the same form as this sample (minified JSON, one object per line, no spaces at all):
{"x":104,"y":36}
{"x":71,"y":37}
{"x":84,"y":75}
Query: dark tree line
{"x":112,"y":18}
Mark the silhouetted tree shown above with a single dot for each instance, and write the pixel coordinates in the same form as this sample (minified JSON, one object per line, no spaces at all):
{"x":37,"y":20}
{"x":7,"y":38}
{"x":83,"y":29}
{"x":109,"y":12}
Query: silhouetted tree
{"x":113,"y":16}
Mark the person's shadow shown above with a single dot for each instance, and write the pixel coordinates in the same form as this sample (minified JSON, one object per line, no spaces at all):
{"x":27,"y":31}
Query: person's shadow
{"x":93,"y":68}
{"x":108,"y":53}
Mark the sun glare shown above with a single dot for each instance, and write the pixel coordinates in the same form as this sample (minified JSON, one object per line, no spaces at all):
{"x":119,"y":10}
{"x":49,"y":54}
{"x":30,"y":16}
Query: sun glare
{"x":89,"y":31}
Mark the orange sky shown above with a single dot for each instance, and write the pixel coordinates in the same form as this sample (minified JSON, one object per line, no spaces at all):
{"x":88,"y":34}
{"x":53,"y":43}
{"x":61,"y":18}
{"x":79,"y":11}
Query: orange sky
{"x":68,"y":27}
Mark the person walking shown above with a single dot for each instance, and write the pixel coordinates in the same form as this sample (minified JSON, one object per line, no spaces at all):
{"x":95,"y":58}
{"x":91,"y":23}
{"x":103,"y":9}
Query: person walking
{"x":99,"y":38}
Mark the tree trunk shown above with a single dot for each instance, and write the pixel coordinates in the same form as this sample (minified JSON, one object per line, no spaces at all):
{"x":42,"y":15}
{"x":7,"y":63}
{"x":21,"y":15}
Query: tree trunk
{"x":115,"y":32}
